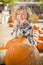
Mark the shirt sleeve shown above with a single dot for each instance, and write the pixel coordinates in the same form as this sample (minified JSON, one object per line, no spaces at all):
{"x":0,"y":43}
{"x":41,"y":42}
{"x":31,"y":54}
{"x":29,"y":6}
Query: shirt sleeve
{"x":14,"y":32}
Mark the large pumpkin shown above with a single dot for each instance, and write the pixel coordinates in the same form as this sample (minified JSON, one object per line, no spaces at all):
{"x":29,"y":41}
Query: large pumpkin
{"x":22,"y":54}
{"x":19,"y":40}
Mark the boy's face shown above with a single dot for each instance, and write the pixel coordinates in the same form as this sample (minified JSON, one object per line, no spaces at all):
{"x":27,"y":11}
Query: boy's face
{"x":21,"y":15}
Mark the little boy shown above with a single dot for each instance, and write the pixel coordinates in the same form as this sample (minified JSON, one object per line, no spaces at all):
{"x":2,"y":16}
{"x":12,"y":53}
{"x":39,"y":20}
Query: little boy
{"x":22,"y":25}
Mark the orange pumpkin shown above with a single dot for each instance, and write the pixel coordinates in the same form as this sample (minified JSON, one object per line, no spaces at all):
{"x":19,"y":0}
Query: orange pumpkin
{"x":35,"y":27}
{"x":40,"y":31}
{"x":40,"y":45}
{"x":10,"y":24}
{"x":2,"y":48}
{"x":35,"y":33}
{"x":10,"y":21}
{"x":40,"y":37}
{"x":40,"y":41}
{"x":22,"y":54}
{"x":15,"y":41}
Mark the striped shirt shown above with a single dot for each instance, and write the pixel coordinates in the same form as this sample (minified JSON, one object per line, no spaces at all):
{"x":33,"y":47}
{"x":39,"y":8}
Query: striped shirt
{"x":25,"y":30}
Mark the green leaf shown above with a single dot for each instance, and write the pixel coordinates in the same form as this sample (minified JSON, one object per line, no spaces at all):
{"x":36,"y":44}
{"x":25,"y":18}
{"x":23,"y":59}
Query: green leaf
{"x":11,"y":2}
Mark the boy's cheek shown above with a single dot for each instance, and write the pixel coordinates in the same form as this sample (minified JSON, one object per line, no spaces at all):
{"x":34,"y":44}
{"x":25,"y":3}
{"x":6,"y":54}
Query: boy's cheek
{"x":18,"y":18}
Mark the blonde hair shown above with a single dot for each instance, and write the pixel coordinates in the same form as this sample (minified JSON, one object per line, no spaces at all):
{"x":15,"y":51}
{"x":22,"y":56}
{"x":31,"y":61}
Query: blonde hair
{"x":28,"y":10}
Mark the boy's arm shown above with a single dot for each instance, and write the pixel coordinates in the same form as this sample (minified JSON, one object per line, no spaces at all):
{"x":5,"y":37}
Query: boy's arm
{"x":14,"y":32}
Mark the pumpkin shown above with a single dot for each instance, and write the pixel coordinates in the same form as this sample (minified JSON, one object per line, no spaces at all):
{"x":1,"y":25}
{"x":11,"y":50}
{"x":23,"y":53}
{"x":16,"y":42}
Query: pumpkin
{"x":2,"y":54}
{"x":40,"y":45}
{"x":40,"y":40}
{"x":22,"y":54}
{"x":35,"y":33}
{"x":35,"y":27}
{"x":10,"y":21}
{"x":40,"y":37}
{"x":40,"y":31}
{"x":10,"y":24}
{"x":15,"y":41}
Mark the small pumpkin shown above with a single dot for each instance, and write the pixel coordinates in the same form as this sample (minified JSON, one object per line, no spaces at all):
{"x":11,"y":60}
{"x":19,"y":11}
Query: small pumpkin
{"x":35,"y":27}
{"x":10,"y":22}
{"x":22,"y":54}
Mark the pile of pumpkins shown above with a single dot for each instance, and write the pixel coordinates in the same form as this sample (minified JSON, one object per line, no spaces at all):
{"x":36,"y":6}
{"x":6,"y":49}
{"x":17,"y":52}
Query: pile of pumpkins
{"x":38,"y":37}
{"x":20,"y":52}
